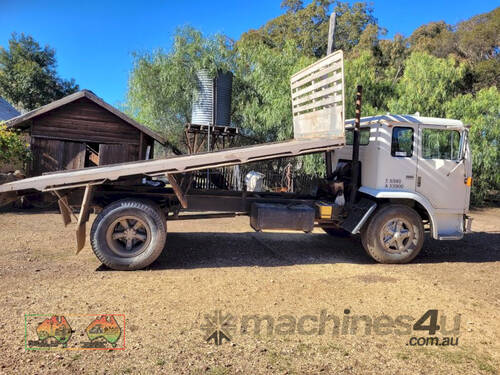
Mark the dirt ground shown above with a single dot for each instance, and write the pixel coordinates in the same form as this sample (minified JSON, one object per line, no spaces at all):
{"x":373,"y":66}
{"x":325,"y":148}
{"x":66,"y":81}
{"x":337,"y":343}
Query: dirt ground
{"x":222,"y":265}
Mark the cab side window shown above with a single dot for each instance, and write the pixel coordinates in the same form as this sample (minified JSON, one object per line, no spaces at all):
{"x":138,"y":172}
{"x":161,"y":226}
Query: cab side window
{"x":402,"y":142}
{"x":440,"y":144}
{"x":364,"y":136}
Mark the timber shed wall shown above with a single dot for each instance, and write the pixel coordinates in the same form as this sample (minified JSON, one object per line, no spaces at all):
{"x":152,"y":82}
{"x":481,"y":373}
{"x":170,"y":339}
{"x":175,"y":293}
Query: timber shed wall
{"x":84,"y":121}
{"x":59,"y":138}
{"x":51,"y":155}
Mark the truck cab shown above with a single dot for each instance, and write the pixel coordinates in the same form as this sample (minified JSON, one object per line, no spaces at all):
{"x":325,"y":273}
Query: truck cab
{"x":419,"y":162}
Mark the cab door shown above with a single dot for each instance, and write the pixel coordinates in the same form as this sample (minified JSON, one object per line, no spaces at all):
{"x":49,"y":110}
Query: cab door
{"x":400,"y":165}
{"x":441,"y":170}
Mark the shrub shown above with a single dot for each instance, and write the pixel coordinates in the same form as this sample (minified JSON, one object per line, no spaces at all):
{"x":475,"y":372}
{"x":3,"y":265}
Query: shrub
{"x":482,"y":111}
{"x":13,"y":148}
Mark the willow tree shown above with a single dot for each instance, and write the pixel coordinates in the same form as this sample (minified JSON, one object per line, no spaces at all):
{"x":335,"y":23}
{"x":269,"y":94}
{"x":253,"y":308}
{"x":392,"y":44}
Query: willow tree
{"x":162,"y":84}
{"x":428,"y":82}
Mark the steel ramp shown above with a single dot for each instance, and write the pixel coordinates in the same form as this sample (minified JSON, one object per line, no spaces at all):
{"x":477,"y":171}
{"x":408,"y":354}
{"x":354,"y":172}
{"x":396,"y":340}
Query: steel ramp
{"x":173,"y":165}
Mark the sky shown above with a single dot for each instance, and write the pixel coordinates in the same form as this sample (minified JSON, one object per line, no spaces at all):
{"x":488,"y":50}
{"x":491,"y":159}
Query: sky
{"x":94,"y":40}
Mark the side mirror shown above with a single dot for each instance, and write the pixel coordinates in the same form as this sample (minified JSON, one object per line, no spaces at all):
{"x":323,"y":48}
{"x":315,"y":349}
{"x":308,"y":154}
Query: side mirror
{"x":463,"y":145}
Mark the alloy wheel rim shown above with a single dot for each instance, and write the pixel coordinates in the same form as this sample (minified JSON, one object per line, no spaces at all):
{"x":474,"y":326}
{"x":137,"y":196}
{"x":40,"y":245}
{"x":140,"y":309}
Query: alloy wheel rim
{"x":128,"y":236}
{"x":398,"y":236}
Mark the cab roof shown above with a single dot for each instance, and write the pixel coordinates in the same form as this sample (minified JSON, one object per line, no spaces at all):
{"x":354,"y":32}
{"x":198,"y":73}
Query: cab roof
{"x":408,"y":119}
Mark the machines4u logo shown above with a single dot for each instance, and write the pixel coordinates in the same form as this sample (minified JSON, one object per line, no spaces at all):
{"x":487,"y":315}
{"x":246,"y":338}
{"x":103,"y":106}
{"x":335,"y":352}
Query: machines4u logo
{"x":102,"y":331}
{"x":432,"y":328}
{"x":218,"y":327}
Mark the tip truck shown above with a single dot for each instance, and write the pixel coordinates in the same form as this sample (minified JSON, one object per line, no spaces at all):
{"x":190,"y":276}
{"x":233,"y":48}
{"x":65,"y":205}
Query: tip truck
{"x":390,"y":178}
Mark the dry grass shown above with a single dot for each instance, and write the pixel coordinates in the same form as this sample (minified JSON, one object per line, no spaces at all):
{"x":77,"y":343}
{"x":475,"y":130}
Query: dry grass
{"x":222,"y":264}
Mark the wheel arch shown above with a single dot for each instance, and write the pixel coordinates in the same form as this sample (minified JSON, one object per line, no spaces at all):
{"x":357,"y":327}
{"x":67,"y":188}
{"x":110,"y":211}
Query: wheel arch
{"x":419,"y":203}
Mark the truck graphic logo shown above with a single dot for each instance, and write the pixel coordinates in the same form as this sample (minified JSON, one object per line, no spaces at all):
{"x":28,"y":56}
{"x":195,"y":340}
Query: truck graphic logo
{"x":104,"y":327}
{"x":93,"y":331}
{"x":56,"y":327}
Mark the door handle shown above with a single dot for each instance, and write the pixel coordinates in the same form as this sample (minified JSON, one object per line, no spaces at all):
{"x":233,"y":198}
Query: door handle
{"x":419,"y":181}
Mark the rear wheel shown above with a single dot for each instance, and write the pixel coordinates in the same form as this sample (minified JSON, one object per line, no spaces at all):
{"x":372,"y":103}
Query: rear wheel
{"x":129,"y":234}
{"x":394,"y":234}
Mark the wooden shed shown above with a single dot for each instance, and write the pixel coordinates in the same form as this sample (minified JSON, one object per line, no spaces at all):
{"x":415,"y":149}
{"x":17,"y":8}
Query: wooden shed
{"x":81,"y":130}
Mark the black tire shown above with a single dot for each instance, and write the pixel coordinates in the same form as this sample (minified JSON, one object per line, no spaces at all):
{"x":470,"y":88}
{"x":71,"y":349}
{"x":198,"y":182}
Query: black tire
{"x":336,"y":232}
{"x":385,"y":243}
{"x":138,"y":222}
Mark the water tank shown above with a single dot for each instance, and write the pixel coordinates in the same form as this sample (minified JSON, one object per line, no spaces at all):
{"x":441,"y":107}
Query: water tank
{"x":212,"y":99}
{"x":223,"y":91}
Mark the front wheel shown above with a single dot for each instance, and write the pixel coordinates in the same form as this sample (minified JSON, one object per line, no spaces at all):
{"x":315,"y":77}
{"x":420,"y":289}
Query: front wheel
{"x":129,"y":234}
{"x":394,"y":234}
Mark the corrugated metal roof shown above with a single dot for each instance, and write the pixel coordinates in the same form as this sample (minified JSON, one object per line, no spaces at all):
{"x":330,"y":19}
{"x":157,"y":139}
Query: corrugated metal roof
{"x":6,"y":110}
{"x":413,"y":119}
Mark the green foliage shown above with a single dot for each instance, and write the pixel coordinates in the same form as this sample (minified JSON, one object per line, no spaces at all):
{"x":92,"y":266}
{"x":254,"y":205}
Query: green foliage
{"x":478,"y":37}
{"x":162,"y":84}
{"x":352,"y":20}
{"x":262,"y":103}
{"x":28,"y":77}
{"x":391,"y":55}
{"x":474,"y":41}
{"x":427,"y":84}
{"x":486,"y":73}
{"x":313,"y":165}
{"x":308,"y":26}
{"x":482,"y":111}
{"x":377,"y":88}
{"x":13,"y":148}
{"x":436,"y":38}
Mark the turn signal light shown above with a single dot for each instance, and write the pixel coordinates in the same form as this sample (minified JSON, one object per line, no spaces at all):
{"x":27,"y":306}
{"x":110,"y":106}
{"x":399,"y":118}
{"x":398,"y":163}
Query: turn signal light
{"x":468,"y":181}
